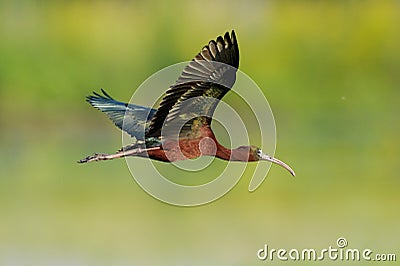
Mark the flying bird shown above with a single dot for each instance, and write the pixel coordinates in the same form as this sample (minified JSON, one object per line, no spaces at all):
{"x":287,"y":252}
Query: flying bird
{"x":180,"y":128}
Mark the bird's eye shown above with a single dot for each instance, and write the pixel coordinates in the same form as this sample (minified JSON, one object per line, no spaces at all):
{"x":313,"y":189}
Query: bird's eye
{"x":259,"y":152}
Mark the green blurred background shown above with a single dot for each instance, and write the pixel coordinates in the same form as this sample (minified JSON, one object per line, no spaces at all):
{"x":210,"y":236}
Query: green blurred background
{"x":330,"y":70}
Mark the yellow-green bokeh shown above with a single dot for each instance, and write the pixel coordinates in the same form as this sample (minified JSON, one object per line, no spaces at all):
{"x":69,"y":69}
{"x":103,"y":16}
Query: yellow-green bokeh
{"x":330,"y":70}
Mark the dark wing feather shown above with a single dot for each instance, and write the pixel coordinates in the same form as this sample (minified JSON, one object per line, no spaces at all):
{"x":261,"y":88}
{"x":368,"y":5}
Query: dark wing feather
{"x":204,"y":81}
{"x":133,"y":119}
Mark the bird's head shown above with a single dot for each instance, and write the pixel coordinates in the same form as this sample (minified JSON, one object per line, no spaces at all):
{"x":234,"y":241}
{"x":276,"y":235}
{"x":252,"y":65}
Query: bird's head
{"x":253,"y":153}
{"x":259,"y":155}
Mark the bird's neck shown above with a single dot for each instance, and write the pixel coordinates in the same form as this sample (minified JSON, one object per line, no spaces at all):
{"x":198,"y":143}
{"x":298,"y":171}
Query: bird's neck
{"x":223,"y":153}
{"x":239,"y":154}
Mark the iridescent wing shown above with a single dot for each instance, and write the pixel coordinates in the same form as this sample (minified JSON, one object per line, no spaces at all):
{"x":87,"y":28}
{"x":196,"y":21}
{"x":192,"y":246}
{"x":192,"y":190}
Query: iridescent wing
{"x":195,"y":95}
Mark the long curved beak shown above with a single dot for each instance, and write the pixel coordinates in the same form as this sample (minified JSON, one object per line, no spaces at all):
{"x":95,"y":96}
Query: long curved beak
{"x":279,"y":162}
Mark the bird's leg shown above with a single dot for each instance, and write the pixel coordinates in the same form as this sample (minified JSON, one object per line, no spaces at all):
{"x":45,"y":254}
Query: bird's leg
{"x":128,"y":147}
{"x":121,"y":153}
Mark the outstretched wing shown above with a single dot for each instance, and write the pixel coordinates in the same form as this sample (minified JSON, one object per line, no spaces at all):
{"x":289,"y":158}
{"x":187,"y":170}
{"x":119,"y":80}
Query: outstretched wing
{"x":131,"y":118}
{"x":203,"y":82}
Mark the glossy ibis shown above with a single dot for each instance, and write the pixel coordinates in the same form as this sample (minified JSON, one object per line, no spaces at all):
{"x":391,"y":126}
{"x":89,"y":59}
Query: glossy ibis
{"x":204,"y":81}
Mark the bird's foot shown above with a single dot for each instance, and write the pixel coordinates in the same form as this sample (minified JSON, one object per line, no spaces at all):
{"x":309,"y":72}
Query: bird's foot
{"x":94,"y":158}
